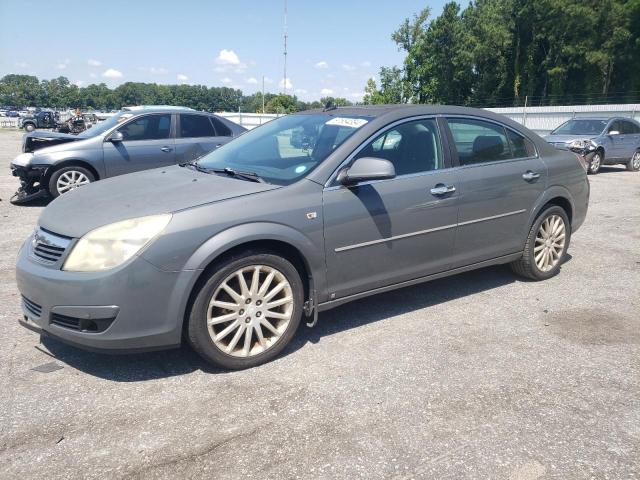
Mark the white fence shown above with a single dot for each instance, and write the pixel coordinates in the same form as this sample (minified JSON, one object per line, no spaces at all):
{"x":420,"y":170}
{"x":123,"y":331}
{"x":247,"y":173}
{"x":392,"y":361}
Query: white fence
{"x":544,"y":119}
{"x":539,"y":119}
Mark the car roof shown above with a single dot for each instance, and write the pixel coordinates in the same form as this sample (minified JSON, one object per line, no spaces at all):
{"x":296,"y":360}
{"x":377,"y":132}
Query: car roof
{"x":404,"y":110}
{"x":157,"y":108}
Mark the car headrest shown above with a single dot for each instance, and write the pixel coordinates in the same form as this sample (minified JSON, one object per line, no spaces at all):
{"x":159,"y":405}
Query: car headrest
{"x":488,"y":146}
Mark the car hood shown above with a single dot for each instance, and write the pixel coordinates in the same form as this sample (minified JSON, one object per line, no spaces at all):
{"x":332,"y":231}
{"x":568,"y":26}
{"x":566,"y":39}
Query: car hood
{"x":567,"y":138}
{"x":162,"y":190}
{"x":42,"y":139}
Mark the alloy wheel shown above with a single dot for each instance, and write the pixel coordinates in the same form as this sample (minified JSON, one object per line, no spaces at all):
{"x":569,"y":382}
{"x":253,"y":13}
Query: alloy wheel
{"x":635,"y":161}
{"x":594,"y":165}
{"x":70,"y":180}
{"x":549,"y":244}
{"x":250,"y":311}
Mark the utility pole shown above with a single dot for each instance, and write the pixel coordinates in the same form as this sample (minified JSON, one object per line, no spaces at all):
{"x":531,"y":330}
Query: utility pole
{"x":262,"y":95}
{"x":284,"y":80}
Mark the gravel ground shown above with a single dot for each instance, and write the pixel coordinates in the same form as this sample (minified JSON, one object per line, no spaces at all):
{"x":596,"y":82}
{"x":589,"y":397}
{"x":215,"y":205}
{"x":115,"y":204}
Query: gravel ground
{"x":481,"y":375}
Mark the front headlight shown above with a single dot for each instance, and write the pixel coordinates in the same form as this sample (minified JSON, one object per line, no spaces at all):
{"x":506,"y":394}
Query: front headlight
{"x":112,"y":245}
{"x":22,"y":160}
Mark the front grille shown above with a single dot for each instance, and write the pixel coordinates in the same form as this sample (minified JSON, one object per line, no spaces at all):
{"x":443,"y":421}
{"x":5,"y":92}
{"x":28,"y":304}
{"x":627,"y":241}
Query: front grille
{"x":31,"y":307}
{"x":95,"y":325}
{"x":48,"y":247}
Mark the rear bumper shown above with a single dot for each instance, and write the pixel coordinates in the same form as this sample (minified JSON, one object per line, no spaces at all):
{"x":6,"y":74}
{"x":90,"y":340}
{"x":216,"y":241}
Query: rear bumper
{"x":135,"y":307}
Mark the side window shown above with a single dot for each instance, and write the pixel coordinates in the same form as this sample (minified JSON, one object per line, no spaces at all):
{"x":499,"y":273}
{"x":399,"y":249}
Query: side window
{"x":412,"y":147}
{"x":148,"y":127}
{"x":192,"y":126}
{"x":477,"y":141}
{"x":616,"y":126}
{"x":520,"y":146}
{"x":221,"y":129}
{"x":629,"y":128}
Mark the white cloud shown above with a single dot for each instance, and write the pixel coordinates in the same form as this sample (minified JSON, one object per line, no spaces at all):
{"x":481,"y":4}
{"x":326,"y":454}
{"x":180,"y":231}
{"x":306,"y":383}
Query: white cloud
{"x":330,"y":75}
{"x":64,"y":64}
{"x":366,"y":64}
{"x":112,"y":73}
{"x":94,"y":63}
{"x":348,"y":68}
{"x":356,"y":95}
{"x":322,"y":64}
{"x":182,"y":77}
{"x":252,"y":81}
{"x":22,"y":65}
{"x":78,"y":83}
{"x":157,"y":70}
{"x":226,"y":80}
{"x":287,"y":85}
{"x":301,"y":91}
{"x":268,"y":80}
{"x":93,"y":75}
{"x":227,"y":57}
{"x":326,"y":91}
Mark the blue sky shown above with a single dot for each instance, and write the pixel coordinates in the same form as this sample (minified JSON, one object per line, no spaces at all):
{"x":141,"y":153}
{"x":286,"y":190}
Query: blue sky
{"x":334,"y":46}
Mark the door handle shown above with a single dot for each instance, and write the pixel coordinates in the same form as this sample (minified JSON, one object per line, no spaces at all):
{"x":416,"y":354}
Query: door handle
{"x":166,"y":149}
{"x":442,"y":189}
{"x":530,"y":176}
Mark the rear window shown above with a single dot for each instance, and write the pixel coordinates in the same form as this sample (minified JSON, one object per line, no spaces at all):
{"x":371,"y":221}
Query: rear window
{"x":196,"y":126}
{"x":221,"y":129}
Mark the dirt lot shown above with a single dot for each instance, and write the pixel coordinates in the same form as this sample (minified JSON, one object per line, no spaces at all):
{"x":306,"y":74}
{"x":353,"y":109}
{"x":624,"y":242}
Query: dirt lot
{"x":476,"y":376}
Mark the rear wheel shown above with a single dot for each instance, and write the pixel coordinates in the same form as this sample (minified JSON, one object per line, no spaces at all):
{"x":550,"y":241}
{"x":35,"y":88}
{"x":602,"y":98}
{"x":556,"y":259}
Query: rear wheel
{"x":247,"y":311}
{"x":595,"y":163}
{"x":546,"y":245}
{"x":634,"y":163}
{"x":29,"y":127}
{"x":69,"y":178}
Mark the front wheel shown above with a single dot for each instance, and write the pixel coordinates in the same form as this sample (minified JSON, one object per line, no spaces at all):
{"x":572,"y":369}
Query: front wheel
{"x":247,"y":311}
{"x":595,"y":163}
{"x":69,"y":178}
{"x":546,"y":245}
{"x":29,"y":127}
{"x":634,"y":163}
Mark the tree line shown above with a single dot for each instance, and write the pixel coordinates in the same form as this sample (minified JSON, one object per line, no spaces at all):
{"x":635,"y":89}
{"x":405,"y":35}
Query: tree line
{"x":29,"y":91}
{"x":506,"y":52}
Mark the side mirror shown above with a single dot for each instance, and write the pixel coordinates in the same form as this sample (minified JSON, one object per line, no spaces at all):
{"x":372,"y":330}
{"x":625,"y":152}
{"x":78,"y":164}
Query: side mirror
{"x":614,"y":132}
{"x":365,"y":169}
{"x":116,"y":137}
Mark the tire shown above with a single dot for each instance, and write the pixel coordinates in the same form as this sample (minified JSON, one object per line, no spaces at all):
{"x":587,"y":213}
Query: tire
{"x":68,"y":178}
{"x":595,"y":162}
{"x":29,"y":127}
{"x":215,"y":343}
{"x":634,"y":163}
{"x":528,"y":266}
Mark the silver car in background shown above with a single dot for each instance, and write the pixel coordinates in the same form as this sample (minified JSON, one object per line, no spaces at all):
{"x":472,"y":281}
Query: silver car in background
{"x":137,"y":138}
{"x":607,"y":141}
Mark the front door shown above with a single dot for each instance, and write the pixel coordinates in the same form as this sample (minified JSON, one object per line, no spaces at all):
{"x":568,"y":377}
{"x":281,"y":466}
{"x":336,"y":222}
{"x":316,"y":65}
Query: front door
{"x":384,"y":232}
{"x":147,"y":143}
{"x":500,"y":180}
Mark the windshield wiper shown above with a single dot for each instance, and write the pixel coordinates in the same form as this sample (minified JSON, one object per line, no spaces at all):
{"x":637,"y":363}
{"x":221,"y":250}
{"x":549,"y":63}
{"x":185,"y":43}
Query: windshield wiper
{"x":195,"y":165}
{"x":251,"y":176}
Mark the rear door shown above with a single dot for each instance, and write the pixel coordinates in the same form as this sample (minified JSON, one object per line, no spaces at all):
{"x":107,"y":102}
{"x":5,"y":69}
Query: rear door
{"x":631,"y":133}
{"x":147,"y":143}
{"x":196,"y":137}
{"x":500,"y":179}
{"x":379,"y":233}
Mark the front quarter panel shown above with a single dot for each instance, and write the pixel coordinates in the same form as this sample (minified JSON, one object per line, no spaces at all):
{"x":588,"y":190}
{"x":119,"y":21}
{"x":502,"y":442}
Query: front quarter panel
{"x":197,"y":236}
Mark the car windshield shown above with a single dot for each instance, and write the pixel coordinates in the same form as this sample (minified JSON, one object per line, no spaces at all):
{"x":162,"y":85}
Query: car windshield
{"x":581,"y":127}
{"x":285,"y":149}
{"x":102,"y":127}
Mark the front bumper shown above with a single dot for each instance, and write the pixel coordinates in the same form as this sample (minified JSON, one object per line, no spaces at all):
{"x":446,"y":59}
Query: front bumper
{"x":134,"y":307}
{"x":31,"y":183}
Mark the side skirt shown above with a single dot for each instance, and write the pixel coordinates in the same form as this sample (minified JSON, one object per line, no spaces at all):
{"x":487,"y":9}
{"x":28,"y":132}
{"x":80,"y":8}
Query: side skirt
{"x":494,"y":261}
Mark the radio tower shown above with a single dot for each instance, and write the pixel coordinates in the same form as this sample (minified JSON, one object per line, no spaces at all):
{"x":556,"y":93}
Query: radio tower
{"x":284,"y":80}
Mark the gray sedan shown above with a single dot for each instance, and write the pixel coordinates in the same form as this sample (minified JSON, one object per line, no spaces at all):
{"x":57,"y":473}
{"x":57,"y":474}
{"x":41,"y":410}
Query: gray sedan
{"x":300,"y":215}
{"x":607,"y":141}
{"x":137,"y":138}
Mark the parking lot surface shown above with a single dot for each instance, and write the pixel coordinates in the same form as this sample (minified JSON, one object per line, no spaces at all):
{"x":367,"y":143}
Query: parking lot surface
{"x":481,"y":375}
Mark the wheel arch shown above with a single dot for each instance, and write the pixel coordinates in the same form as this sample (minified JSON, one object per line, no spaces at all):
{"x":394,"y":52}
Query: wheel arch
{"x":285,"y":241}
{"x":555,"y":195}
{"x":70,"y":163}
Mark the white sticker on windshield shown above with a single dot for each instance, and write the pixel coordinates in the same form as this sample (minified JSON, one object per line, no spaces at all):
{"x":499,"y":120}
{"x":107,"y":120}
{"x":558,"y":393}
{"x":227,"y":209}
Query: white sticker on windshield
{"x":347,"y":122}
